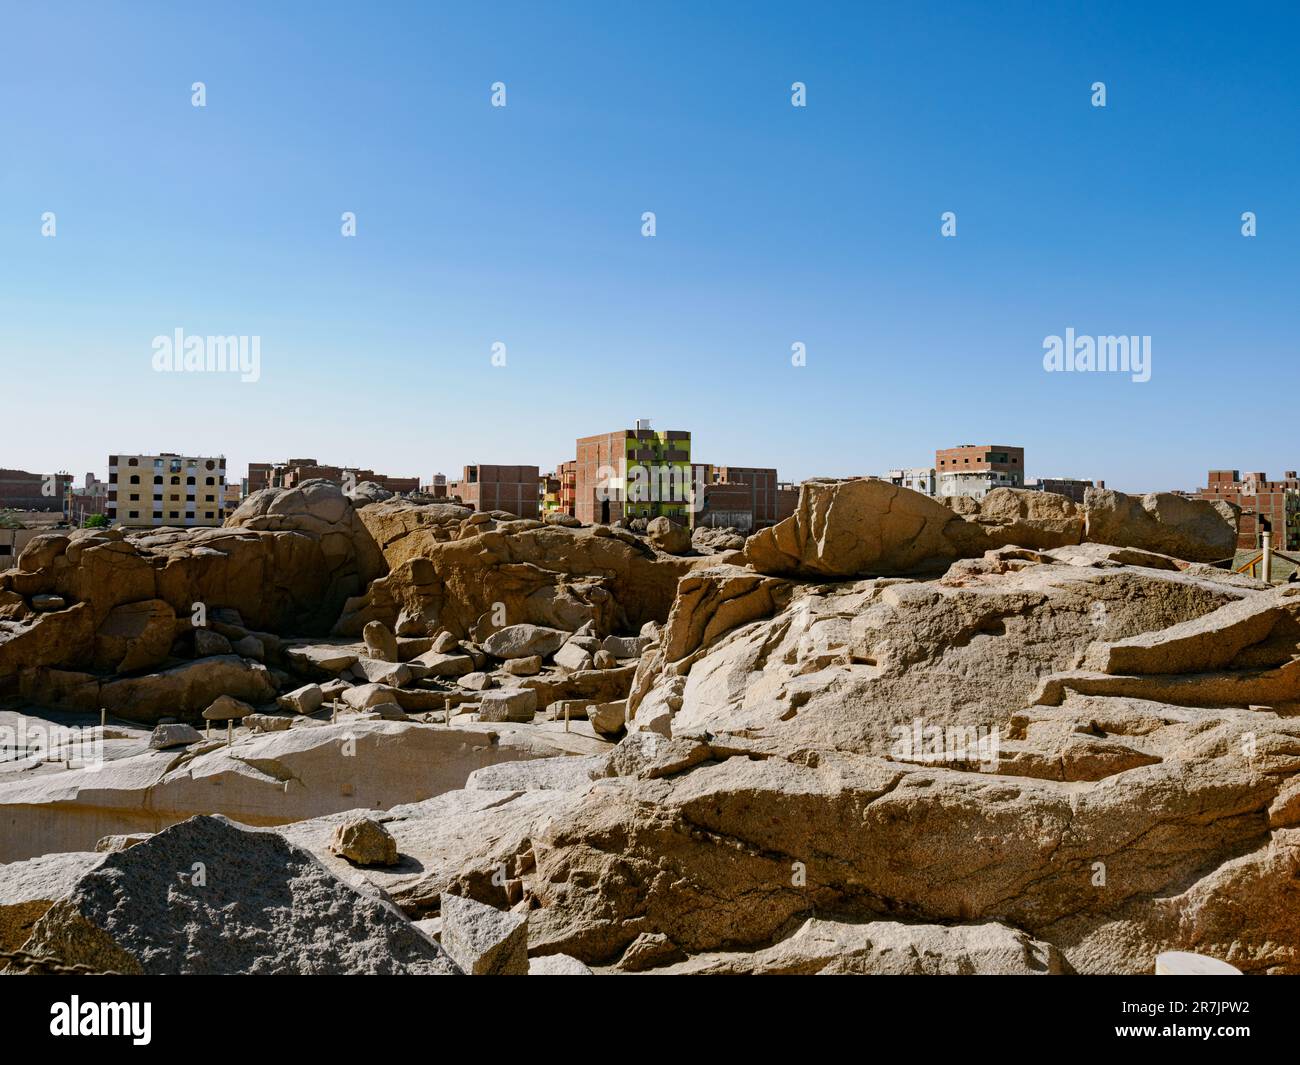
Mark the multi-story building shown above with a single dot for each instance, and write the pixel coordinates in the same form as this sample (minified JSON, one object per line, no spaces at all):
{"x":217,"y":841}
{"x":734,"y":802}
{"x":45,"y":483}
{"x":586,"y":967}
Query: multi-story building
{"x":293,"y":472}
{"x":635,"y":473}
{"x":548,"y":493}
{"x":787,"y":499}
{"x":509,"y":488}
{"x":568,"y":473}
{"x":739,"y":497}
{"x":166,"y":489}
{"x":1070,"y":487}
{"x":1278,"y":502}
{"x":917,"y":478}
{"x":231,"y":498}
{"x":975,"y":470}
{"x":20,"y":490}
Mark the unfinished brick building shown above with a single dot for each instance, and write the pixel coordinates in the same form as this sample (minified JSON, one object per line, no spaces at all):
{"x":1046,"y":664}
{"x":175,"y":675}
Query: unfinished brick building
{"x":1277,"y":501}
{"x":508,"y":488}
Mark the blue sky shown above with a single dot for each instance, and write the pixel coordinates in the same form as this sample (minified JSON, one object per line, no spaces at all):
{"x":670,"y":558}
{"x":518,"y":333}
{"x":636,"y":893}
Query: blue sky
{"x":775,"y":224}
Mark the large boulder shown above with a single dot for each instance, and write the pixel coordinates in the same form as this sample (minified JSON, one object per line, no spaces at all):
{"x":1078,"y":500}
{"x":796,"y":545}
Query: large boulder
{"x":207,"y":896}
{"x":1198,"y":530}
{"x":857,"y":527}
{"x":668,"y":536}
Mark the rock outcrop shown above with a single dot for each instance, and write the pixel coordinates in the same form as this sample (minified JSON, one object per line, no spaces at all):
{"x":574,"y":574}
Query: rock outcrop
{"x":470,"y":574}
{"x":871,"y":528}
{"x":207,"y":897}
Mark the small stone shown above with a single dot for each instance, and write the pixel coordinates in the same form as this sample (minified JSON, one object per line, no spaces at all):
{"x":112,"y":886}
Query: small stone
{"x":250,"y":647}
{"x":363,"y":841}
{"x":572,"y":658}
{"x":604,"y":660}
{"x":304,"y":700}
{"x":608,"y":719}
{"x":166,"y":737}
{"x":208,"y":643}
{"x":557,"y":965}
{"x":267,"y":722}
{"x":381,"y":644}
{"x":227,"y":708}
{"x":524,"y":667}
{"x":518,"y":704}
{"x":444,"y":643}
{"x":475,"y":682}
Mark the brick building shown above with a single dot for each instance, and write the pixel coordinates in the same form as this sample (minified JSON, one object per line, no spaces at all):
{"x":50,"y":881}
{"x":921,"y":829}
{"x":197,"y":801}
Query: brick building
{"x":509,"y":488}
{"x":739,"y":497}
{"x":787,"y":499}
{"x":1278,"y":501}
{"x":975,"y":470}
{"x":568,"y":474}
{"x":1070,"y":487}
{"x":293,"y":472}
{"x":20,"y":490}
{"x":634,"y":473}
{"x":167,"y":489}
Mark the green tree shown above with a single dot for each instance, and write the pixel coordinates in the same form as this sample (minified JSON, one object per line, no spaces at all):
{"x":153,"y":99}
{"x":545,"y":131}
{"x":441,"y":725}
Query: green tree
{"x":95,"y":521}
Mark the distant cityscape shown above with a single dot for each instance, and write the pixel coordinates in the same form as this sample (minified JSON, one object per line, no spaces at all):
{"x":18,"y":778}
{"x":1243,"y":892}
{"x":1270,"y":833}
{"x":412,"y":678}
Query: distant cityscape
{"x":622,"y":475}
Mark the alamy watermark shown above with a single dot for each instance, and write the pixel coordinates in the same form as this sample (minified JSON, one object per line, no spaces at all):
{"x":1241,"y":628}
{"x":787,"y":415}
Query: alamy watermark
{"x":656,"y":483}
{"x":1084,"y":354}
{"x":209,"y":354}
{"x":77,"y":747}
{"x":935,"y":744}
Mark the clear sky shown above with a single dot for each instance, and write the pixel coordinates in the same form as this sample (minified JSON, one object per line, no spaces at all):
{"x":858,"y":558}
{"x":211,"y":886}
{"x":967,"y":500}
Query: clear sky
{"x":775,"y":225}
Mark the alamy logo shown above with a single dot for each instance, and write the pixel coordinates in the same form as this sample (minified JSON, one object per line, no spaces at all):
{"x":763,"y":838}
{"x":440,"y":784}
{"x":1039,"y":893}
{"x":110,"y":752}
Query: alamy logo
{"x":936,"y":744}
{"x":195,"y":354}
{"x":1081,"y":354}
{"x":102,"y":1018}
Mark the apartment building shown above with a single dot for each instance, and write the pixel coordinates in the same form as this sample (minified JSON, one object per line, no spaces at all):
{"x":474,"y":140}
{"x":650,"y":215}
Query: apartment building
{"x":917,"y":478}
{"x":1277,"y":502}
{"x":166,"y":489}
{"x":508,"y":488}
{"x":976,"y":469}
{"x":634,"y":473}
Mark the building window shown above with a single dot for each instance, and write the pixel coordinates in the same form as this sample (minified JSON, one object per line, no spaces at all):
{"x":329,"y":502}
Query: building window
{"x":157,"y":480}
{"x":173,"y":514}
{"x":176,"y":480}
{"x":133,"y":462}
{"x":133,"y":514}
{"x":135,"y":478}
{"x":208,"y":481}
{"x":135,"y":498}
{"x":208,"y":514}
{"x":210,"y":464}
